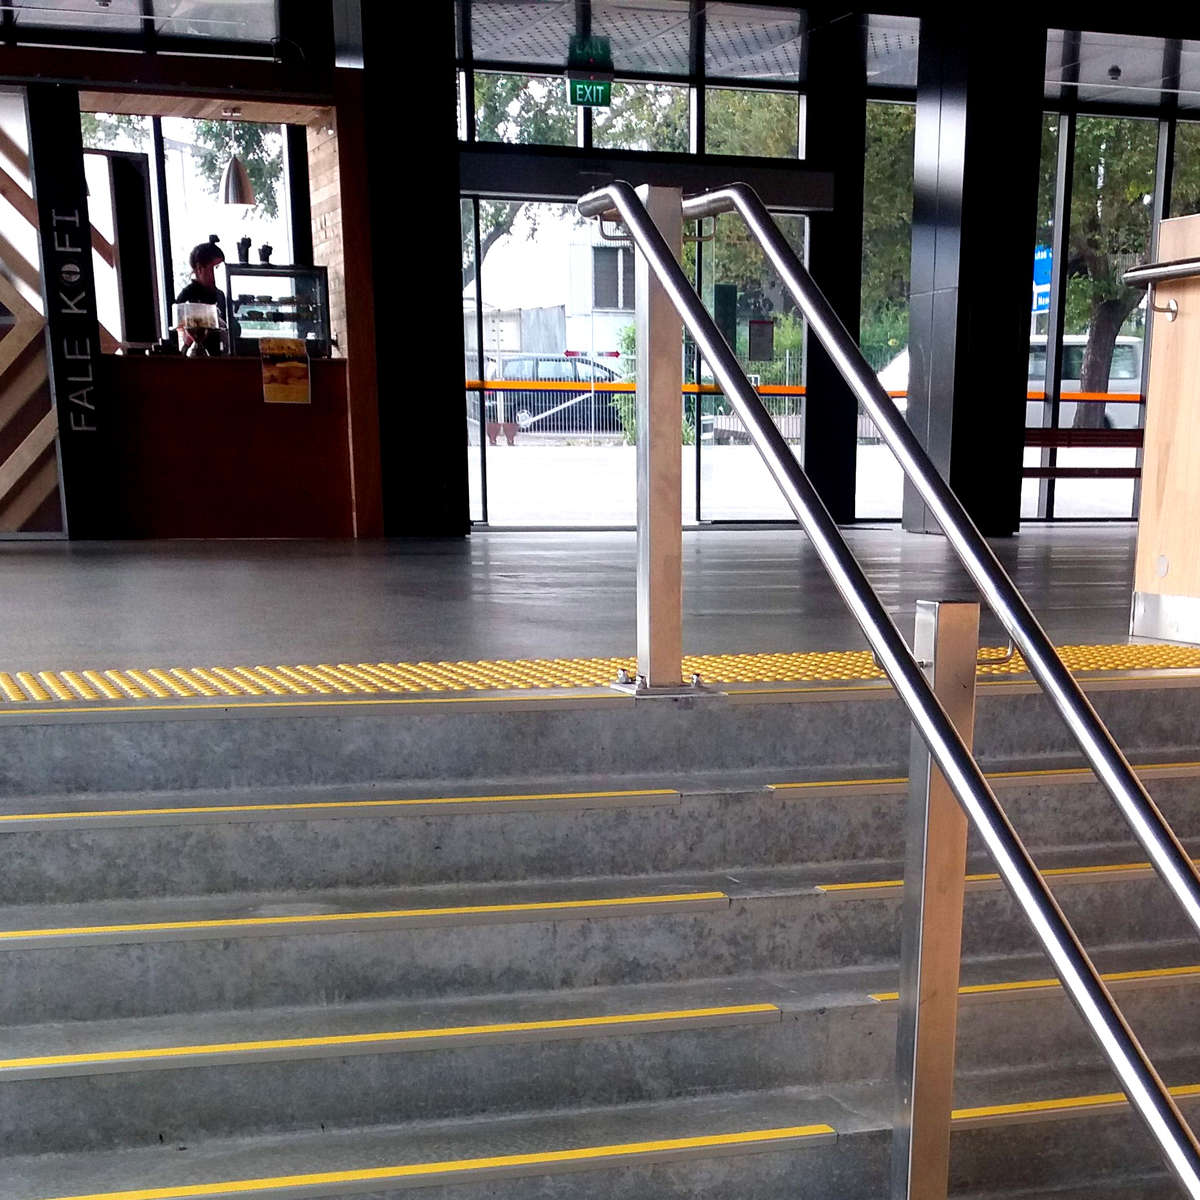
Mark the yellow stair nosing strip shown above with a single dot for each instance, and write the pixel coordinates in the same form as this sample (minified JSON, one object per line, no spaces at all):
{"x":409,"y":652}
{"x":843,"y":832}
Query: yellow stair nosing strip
{"x":1060,"y":1106}
{"x":652,"y":795}
{"x":990,"y":878}
{"x":1016,"y":986}
{"x":414,"y":917}
{"x":480,"y":1167}
{"x":420,"y":1038}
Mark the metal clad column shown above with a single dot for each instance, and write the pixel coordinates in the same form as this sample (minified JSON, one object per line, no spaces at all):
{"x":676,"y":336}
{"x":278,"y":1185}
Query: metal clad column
{"x":974,"y":209}
{"x":947,"y":637}
{"x":659,"y":457}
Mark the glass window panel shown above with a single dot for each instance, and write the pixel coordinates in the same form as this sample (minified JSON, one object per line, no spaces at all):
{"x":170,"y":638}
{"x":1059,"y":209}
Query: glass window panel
{"x":236,"y":20}
{"x":892,"y":45}
{"x":883,"y":326}
{"x":1105,"y":322}
{"x":627,"y":279}
{"x":1034,"y":491}
{"x":605,"y":267}
{"x":646,"y":35}
{"x":735,"y":485}
{"x":121,"y":16}
{"x":743,"y":41}
{"x":1185,"y":182}
{"x":472,"y":367}
{"x":1189,"y":75}
{"x":766,"y":124}
{"x":196,"y":154}
{"x":523,"y":109}
{"x":522,"y":31}
{"x":643,"y":116}
{"x":558,"y":454}
{"x":1118,"y":68}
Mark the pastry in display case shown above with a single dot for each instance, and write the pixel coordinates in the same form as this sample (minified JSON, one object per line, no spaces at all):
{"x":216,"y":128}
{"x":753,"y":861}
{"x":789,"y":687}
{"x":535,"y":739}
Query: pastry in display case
{"x":279,"y":302}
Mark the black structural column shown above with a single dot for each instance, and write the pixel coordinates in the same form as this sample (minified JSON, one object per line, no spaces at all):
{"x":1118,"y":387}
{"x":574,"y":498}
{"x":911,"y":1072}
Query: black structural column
{"x":412,"y":175}
{"x":68,"y":285}
{"x":979,"y":111}
{"x":836,"y":141}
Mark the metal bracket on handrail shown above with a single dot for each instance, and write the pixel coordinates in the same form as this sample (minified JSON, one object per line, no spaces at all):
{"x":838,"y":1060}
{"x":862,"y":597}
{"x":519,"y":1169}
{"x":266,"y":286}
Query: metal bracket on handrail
{"x":622,"y":238}
{"x":1010,"y":652}
{"x":1136,"y":1074}
{"x":1152,"y":273}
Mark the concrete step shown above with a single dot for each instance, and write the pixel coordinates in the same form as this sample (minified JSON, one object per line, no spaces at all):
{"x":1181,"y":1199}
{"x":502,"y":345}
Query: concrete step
{"x":400,"y":835}
{"x":754,"y":1146}
{"x":798,"y":732}
{"x":181,"y":1078}
{"x":138,"y":958}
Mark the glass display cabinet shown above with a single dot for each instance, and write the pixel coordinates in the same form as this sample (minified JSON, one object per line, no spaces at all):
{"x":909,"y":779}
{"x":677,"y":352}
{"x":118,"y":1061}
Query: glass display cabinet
{"x":278,"y":301}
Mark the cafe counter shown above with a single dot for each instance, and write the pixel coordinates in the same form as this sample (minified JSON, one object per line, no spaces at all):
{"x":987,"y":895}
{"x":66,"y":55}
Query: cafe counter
{"x":195,"y":452}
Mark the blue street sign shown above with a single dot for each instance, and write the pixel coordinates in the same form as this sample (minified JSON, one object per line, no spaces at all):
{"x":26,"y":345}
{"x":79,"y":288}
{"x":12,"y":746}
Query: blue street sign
{"x":1043,"y":264}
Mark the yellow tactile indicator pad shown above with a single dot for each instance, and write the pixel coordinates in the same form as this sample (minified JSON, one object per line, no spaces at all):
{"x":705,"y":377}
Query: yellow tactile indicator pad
{"x":332,"y":680}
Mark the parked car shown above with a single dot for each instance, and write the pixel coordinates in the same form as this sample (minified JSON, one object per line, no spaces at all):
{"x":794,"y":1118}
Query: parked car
{"x":1125,"y":376}
{"x":572,"y":408}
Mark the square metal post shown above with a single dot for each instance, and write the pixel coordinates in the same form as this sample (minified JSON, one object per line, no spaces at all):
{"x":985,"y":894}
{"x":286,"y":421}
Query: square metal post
{"x":659,"y":458}
{"x":947,"y":639}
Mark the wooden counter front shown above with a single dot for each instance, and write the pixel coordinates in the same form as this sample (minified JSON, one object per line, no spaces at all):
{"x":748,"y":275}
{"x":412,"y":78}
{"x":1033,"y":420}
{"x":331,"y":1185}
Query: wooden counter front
{"x":196,"y":453}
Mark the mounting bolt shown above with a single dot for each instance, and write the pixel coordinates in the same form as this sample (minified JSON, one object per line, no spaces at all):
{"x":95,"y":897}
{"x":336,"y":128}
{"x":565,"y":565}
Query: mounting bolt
{"x":695,"y":679}
{"x":641,"y":682}
{"x":623,"y":676}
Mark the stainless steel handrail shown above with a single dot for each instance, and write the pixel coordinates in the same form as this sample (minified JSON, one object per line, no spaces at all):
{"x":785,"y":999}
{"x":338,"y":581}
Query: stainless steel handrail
{"x":1079,"y":977}
{"x":1150,"y":827}
{"x":1176,"y":268}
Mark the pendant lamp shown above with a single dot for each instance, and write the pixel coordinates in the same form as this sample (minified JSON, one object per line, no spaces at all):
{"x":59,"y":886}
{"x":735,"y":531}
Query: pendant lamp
{"x":235,"y":184}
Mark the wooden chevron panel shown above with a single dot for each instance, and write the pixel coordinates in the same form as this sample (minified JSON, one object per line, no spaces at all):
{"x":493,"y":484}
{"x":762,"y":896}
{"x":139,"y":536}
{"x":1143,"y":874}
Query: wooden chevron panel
{"x":28,"y":463}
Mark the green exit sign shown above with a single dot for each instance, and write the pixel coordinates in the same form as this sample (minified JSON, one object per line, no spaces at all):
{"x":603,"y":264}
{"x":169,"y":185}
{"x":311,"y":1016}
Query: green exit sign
{"x":591,"y":93}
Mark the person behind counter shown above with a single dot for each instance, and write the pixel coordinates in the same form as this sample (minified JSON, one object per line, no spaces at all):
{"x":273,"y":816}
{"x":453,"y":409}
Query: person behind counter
{"x":204,"y":260}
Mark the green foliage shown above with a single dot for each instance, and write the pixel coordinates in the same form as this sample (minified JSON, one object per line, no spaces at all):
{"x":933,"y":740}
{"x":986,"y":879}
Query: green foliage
{"x":887,"y":228}
{"x":745,"y":122}
{"x":643,"y":116}
{"x":260,"y":148}
{"x":103,"y":131}
{"x":626,"y":402}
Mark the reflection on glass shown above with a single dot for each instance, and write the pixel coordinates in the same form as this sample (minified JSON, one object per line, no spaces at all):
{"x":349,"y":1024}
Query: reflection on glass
{"x":526,"y":109}
{"x":646,"y":35}
{"x":521,"y":31}
{"x":883,"y":325}
{"x":766,"y":124}
{"x":643,"y":116}
{"x":744,"y":41}
{"x":892,"y":46}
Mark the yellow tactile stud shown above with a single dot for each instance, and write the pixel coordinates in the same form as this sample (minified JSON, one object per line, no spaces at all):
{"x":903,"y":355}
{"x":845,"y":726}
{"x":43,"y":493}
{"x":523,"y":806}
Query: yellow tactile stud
{"x":128,"y":686}
{"x":82,"y":687}
{"x":152,"y":686}
{"x":10,"y":690}
{"x":32,"y":686}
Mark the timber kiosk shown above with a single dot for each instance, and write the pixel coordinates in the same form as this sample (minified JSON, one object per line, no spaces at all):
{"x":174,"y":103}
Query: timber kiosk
{"x":1166,"y":596}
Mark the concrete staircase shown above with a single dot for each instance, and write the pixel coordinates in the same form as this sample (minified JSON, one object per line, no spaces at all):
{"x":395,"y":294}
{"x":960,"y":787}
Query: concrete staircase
{"x":563,"y":947}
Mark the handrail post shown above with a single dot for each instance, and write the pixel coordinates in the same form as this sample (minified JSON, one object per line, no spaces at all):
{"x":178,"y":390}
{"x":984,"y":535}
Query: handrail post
{"x":946,"y":644}
{"x":659,"y":457}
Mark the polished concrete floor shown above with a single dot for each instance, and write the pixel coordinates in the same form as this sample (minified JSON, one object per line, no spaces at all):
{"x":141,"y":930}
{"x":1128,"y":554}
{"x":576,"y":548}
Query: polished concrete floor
{"x":503,"y":595}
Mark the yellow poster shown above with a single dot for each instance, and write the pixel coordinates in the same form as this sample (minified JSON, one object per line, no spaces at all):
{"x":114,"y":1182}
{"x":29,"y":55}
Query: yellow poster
{"x":285,"y":371}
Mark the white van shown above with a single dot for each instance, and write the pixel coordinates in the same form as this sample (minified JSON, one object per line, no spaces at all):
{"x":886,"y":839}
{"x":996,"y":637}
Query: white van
{"x":1125,"y":376}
